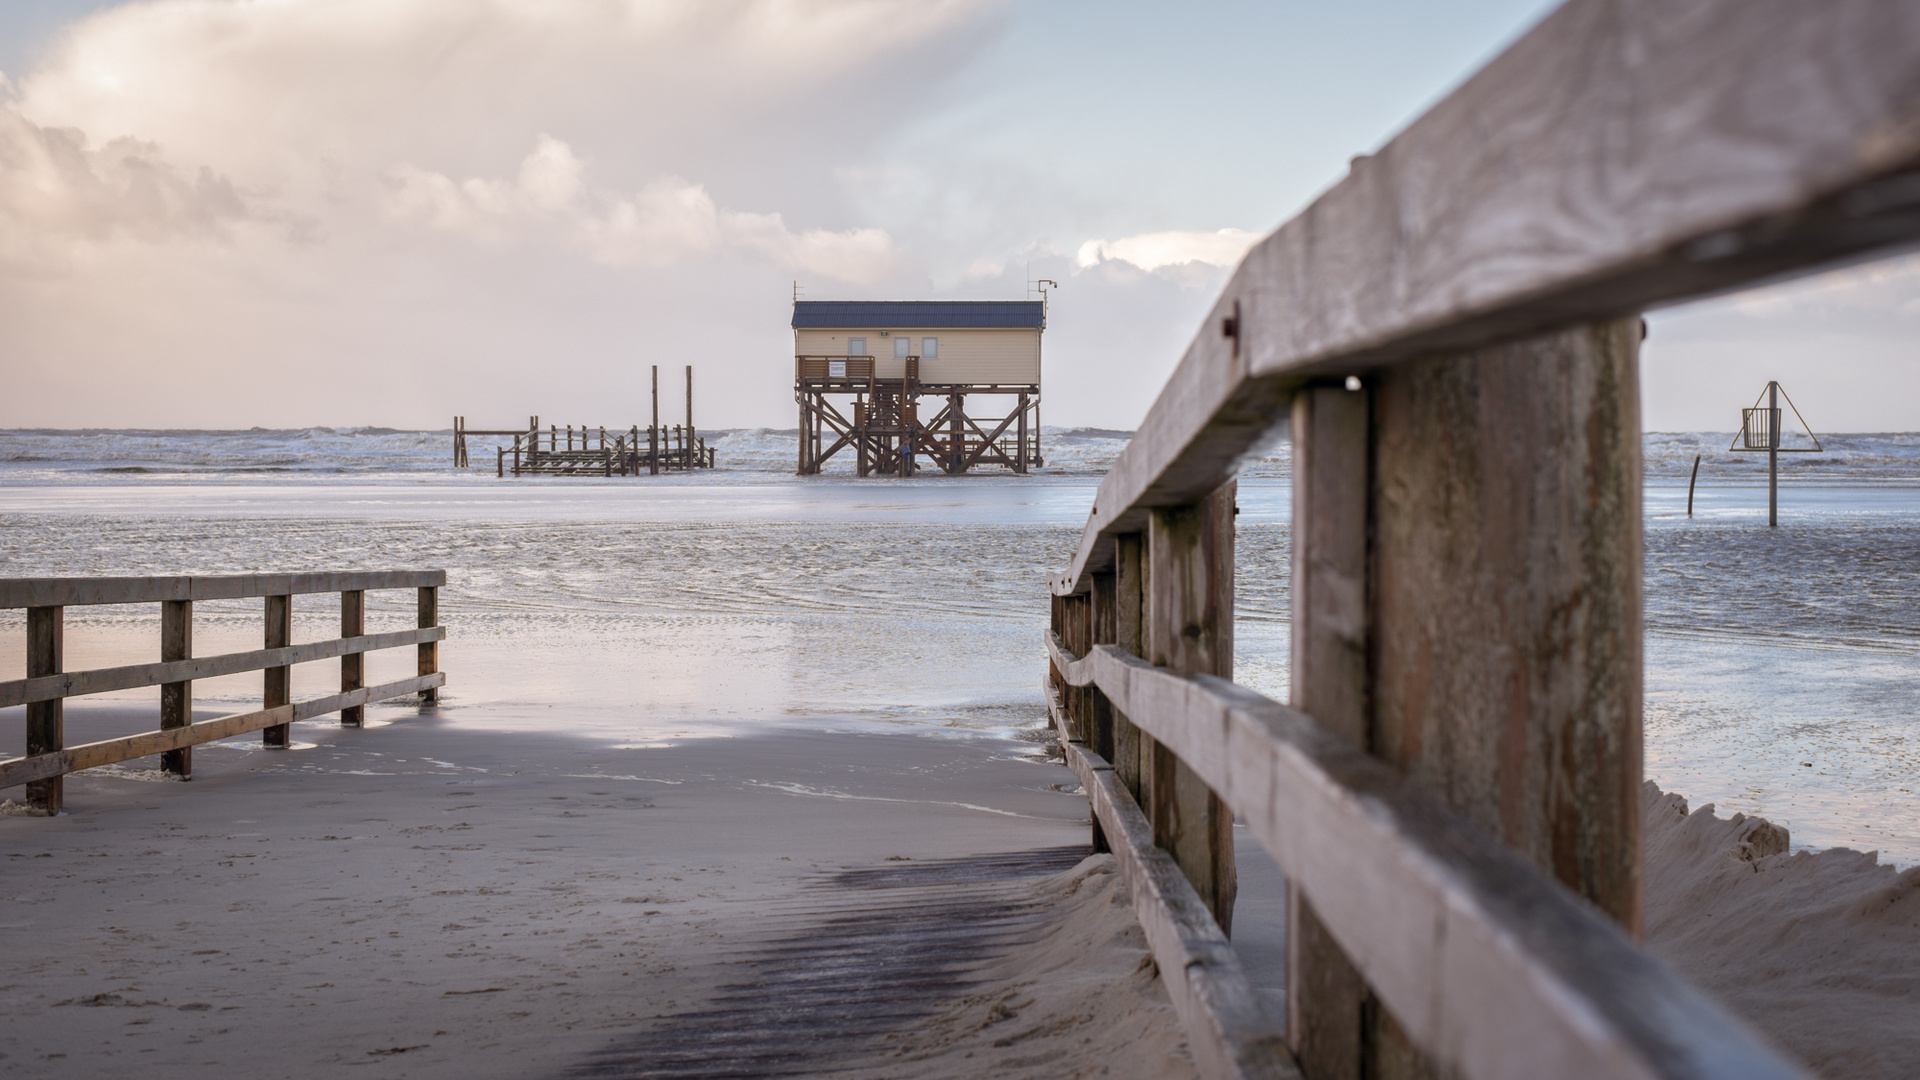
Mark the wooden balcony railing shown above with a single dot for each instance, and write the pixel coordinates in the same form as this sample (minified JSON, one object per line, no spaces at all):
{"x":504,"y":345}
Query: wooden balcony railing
{"x":834,"y":367}
{"x":47,"y":685}
{"x":1450,"y":338}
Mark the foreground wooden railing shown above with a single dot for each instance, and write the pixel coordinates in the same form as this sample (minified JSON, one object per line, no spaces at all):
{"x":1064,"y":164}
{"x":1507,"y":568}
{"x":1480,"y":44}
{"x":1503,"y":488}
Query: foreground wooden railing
{"x":1450,"y":337}
{"x":47,"y":685}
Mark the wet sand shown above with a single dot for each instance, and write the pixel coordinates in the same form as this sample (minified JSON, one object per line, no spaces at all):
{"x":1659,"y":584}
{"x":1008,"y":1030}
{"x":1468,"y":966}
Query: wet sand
{"x":425,"y":900}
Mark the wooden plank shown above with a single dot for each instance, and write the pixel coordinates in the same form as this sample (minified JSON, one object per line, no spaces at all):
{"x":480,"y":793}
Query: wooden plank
{"x":176,"y":697}
{"x":1768,"y":137}
{"x":353,"y":665}
{"x":1231,"y":1032}
{"x":277,"y":681}
{"x":128,"y":748}
{"x":1326,"y":998}
{"x":1506,"y":626}
{"x":1501,"y":971}
{"x":110,"y":751}
{"x":73,"y":592}
{"x":1189,"y":628}
{"x":307,"y":710}
{"x":46,"y":648}
{"x":102,"y":680}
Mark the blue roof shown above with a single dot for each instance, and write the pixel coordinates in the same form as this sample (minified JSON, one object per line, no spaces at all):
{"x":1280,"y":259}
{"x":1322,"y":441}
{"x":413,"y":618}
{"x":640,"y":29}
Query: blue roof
{"x":918,"y":313}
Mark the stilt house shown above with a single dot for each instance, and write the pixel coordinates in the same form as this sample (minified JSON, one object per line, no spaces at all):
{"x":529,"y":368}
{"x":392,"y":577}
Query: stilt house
{"x":891,"y":380}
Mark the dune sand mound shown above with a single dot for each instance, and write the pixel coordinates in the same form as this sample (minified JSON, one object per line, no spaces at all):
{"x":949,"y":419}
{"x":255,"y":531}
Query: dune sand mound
{"x":1819,"y":951}
{"x":1081,"y":999}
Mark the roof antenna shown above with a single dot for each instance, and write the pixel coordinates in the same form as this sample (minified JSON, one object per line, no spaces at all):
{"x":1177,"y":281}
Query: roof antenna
{"x":796,"y":292}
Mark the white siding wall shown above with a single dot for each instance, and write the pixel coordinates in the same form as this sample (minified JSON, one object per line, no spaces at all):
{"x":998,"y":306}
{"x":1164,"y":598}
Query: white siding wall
{"x":1008,"y":357}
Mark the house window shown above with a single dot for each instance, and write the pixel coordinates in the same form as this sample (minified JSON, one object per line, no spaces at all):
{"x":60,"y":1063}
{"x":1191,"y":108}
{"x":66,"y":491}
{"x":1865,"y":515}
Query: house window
{"x":856,"y":346}
{"x":929,"y":348}
{"x":902,"y":347}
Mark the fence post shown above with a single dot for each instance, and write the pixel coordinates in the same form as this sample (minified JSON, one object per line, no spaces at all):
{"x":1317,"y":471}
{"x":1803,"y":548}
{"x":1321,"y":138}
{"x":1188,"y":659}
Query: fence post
{"x":1480,"y":629}
{"x":1130,"y":604}
{"x":46,"y":650}
{"x":353,"y":666}
{"x":278,"y":688}
{"x":1326,"y":997}
{"x":176,"y":699}
{"x":1105,"y":617}
{"x":1189,"y":629}
{"x":429,"y":650}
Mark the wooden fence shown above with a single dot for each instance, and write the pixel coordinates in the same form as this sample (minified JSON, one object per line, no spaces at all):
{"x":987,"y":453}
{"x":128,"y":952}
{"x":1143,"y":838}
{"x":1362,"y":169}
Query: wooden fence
{"x":1450,"y":338}
{"x":47,"y":685}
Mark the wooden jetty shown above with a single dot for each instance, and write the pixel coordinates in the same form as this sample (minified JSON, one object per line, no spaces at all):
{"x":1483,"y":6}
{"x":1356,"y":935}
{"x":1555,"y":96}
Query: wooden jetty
{"x":1450,"y":337}
{"x":48,"y":684}
{"x":590,"y":451}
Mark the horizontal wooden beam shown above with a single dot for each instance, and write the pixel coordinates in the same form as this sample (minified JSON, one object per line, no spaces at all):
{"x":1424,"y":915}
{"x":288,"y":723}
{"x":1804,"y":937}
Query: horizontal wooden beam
{"x":1231,"y":1033}
{"x":108,"y":751}
{"x":1622,"y":155}
{"x":1498,"y":971}
{"x":72,"y":592}
{"x":102,"y":680}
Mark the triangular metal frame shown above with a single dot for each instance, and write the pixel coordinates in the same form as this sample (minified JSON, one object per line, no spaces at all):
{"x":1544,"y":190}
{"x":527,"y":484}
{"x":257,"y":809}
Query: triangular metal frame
{"x":1735,"y":447}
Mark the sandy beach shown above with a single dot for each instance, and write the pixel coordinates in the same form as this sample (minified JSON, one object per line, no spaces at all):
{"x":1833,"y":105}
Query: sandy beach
{"x":415,"y":901}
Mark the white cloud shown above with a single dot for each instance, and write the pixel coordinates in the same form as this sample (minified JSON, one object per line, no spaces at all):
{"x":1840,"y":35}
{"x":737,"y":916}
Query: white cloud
{"x":1886,"y":286}
{"x":1151,"y":251}
{"x":54,"y":185}
{"x":665,"y":223}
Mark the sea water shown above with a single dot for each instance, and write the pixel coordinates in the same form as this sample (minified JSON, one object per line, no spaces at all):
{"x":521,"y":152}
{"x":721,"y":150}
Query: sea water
{"x":1783,"y":665}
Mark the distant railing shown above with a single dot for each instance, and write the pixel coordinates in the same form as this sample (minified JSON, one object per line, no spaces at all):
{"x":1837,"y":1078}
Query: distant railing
{"x":1450,"y":338}
{"x":834,"y":367}
{"x":47,"y":685}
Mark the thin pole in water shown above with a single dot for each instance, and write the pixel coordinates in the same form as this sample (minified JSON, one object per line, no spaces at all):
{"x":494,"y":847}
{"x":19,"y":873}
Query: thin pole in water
{"x":1773,"y":455}
{"x":1690,"y":482}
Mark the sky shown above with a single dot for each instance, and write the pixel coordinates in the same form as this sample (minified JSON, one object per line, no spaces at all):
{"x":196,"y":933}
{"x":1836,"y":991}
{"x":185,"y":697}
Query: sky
{"x":282,"y":213}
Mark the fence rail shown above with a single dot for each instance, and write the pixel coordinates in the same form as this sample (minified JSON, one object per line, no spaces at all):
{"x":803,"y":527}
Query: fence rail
{"x":48,"y":685}
{"x":1450,"y":339}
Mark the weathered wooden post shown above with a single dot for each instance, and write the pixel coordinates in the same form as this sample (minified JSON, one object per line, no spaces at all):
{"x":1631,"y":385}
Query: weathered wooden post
{"x":353,"y":666}
{"x":1478,"y":626}
{"x":1189,"y":629}
{"x":1325,"y":995}
{"x":956,"y":437}
{"x":653,"y":429}
{"x":278,"y":689}
{"x":176,"y":699}
{"x":429,"y":650}
{"x":46,"y":720}
{"x":1020,"y":455}
{"x":690,"y":439}
{"x":1129,"y":633}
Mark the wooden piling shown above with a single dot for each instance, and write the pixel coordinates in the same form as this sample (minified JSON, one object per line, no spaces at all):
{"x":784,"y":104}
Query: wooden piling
{"x":46,"y":720}
{"x":653,"y":430}
{"x":176,"y":698}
